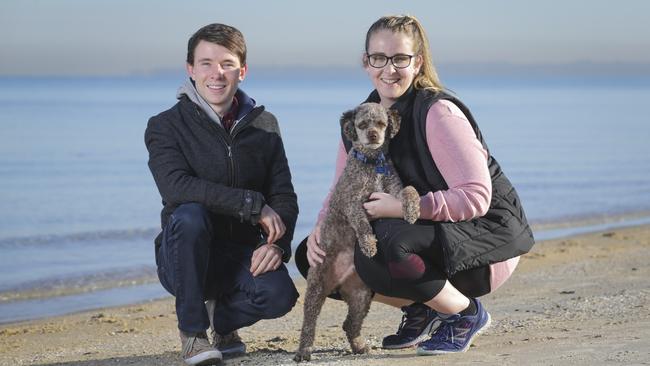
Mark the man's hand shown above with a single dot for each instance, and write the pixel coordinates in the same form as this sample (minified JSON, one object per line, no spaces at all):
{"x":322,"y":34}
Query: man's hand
{"x":266,"y":258}
{"x":315,"y":254}
{"x":272,"y":224}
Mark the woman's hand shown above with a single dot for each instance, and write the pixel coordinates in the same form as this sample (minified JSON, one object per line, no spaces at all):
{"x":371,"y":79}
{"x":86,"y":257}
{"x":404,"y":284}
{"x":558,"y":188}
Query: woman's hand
{"x":315,"y":254}
{"x":382,"y":205}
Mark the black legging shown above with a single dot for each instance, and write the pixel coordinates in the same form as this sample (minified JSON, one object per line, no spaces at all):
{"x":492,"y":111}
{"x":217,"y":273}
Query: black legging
{"x":409,"y":263}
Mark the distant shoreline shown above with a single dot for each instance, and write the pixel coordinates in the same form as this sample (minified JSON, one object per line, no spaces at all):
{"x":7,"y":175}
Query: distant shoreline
{"x":446,"y":69}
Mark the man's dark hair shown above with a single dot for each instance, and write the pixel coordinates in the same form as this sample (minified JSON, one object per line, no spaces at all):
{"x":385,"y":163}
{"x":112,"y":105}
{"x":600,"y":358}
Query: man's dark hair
{"x":221,"y":34}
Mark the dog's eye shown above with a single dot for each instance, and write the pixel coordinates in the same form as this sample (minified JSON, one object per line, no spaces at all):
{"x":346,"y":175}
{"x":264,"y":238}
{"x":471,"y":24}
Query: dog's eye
{"x":362,"y":125}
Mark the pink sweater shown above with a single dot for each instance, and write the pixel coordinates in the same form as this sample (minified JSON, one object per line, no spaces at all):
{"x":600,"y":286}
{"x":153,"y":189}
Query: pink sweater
{"x":462,"y":161}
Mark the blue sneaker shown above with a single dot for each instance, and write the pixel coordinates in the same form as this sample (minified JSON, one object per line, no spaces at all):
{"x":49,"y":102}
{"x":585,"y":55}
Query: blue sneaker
{"x":417,"y":324}
{"x":456,"y":333}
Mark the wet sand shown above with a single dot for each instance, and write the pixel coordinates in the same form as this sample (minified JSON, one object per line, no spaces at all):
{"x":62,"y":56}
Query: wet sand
{"x":581,"y":300}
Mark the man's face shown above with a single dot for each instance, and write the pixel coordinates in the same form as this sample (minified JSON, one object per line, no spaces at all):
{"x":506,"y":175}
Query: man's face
{"x":217,"y":73}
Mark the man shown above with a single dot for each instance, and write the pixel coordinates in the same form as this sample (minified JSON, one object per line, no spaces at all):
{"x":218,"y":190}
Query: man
{"x":229,"y":208}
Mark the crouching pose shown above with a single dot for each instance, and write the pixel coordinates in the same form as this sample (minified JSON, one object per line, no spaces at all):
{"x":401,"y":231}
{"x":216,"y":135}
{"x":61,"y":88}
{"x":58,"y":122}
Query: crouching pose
{"x":229,"y":208}
{"x":471,"y":227}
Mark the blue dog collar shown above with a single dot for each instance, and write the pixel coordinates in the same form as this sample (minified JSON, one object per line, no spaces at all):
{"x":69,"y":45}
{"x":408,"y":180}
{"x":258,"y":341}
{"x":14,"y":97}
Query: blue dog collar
{"x":381,"y":166}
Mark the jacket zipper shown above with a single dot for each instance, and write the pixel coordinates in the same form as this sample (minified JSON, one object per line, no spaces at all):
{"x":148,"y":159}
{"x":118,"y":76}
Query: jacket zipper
{"x":228,"y":142}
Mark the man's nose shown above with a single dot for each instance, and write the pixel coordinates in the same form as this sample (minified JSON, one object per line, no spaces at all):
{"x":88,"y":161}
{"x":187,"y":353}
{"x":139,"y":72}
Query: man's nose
{"x":218,"y":70}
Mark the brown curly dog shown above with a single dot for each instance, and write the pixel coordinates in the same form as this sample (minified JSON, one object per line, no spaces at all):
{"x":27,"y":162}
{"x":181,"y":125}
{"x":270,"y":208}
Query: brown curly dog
{"x":369,"y":127}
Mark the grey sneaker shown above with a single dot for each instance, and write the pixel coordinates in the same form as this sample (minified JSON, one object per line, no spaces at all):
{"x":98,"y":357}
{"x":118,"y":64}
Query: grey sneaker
{"x":197,"y":350}
{"x":230,"y":344}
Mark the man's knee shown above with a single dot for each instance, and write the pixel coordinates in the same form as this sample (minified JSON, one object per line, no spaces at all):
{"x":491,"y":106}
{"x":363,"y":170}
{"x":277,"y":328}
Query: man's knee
{"x":278,"y":298}
{"x":190,"y":219}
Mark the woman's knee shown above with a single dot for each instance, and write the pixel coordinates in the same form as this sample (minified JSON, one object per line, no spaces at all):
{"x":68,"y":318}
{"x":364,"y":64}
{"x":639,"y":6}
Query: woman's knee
{"x":402,"y":260}
{"x":409,"y":267}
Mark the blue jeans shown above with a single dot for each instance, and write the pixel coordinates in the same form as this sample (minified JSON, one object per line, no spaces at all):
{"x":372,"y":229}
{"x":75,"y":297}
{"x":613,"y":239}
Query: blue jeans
{"x":194,"y":266}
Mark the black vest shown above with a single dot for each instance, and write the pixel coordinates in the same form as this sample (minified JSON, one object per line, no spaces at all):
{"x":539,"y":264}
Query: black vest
{"x":500,"y":234}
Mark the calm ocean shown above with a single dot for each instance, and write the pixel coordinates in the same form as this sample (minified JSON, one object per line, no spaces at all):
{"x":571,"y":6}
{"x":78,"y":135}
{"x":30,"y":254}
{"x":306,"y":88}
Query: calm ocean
{"x":79,"y":207}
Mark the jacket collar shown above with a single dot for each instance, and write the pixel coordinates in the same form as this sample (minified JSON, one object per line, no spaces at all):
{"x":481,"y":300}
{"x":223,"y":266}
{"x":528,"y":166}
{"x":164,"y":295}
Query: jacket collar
{"x":246,"y":103}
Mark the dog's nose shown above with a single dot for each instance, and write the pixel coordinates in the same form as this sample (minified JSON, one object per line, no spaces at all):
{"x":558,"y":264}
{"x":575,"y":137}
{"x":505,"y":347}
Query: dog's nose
{"x":373,"y":136}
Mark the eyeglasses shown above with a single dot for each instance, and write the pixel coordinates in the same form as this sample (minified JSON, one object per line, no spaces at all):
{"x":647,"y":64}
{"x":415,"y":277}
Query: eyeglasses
{"x":399,"y":61}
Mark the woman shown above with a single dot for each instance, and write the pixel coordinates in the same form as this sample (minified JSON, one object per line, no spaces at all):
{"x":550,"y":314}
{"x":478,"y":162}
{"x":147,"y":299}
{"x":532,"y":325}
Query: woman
{"x":472,"y":227}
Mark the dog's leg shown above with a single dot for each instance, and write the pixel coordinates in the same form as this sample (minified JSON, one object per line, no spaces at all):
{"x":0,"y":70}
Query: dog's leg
{"x":314,"y":298}
{"x":410,"y":204}
{"x":359,"y":222}
{"x":358,"y":297}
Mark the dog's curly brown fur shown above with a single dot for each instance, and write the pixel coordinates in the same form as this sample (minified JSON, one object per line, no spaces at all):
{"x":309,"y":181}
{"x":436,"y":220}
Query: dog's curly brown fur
{"x":370,"y":128}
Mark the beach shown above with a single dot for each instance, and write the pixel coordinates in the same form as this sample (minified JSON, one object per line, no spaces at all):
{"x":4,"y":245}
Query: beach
{"x":579,"y":300}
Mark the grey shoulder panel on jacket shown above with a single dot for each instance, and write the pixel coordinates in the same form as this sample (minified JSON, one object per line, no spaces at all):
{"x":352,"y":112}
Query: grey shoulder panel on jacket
{"x":266,"y":121}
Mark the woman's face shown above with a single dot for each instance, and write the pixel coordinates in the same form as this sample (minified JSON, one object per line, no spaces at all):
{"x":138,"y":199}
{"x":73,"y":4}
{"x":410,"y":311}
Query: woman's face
{"x":391,"y":81}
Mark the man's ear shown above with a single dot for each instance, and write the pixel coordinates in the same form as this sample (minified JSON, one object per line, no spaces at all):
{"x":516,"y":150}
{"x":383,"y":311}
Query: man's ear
{"x":347,"y":124}
{"x":190,"y":70}
{"x":394,"y":121}
{"x":242,"y":72}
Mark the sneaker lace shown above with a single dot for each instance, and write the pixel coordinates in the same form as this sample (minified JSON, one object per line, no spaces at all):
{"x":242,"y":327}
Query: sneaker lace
{"x":412,"y":319}
{"x":196,"y":344}
{"x":224,"y":340}
{"x":446,"y":330}
{"x":216,"y":338}
{"x":403,"y":322}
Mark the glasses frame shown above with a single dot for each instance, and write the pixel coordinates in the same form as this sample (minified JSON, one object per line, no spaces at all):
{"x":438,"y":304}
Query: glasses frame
{"x":389,"y":59}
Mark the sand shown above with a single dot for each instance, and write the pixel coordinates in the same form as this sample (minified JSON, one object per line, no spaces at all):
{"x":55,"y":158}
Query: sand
{"x":581,"y":300}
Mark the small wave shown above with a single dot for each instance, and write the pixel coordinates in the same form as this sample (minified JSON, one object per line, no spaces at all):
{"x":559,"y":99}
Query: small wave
{"x":79,"y":283}
{"x":575,"y":221}
{"x":42,"y":308}
{"x":127,"y":234}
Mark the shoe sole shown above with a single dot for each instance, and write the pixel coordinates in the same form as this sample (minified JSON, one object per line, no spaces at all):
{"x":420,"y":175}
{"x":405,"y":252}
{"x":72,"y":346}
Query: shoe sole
{"x":487,"y":324}
{"x":232,"y":352}
{"x":428,"y":330}
{"x":205,"y":358}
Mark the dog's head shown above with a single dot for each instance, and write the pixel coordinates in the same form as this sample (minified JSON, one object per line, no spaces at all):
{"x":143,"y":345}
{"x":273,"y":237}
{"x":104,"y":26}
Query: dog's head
{"x":370,"y":125}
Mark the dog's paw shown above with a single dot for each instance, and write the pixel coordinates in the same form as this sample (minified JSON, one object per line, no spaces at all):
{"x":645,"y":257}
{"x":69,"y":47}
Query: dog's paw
{"x":368,"y":245}
{"x":302,"y":355}
{"x":410,"y":204}
{"x":360,"y":347}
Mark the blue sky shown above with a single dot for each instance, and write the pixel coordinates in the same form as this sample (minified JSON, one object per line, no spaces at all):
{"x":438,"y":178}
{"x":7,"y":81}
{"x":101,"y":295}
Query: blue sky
{"x":108,"y":37}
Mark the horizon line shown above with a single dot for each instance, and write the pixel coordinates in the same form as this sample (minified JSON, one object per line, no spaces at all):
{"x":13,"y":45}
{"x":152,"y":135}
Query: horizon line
{"x":453,"y":68}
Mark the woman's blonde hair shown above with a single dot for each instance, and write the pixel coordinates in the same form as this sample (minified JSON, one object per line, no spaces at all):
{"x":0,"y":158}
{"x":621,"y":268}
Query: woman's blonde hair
{"x":427,"y":78}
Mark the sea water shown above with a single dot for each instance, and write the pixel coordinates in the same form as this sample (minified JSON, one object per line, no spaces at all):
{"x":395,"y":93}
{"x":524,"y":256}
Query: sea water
{"x":78,"y":205}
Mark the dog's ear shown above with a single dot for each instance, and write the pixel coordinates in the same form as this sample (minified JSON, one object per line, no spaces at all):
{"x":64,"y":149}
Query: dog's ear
{"x":394,"y":121}
{"x":347,"y":124}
